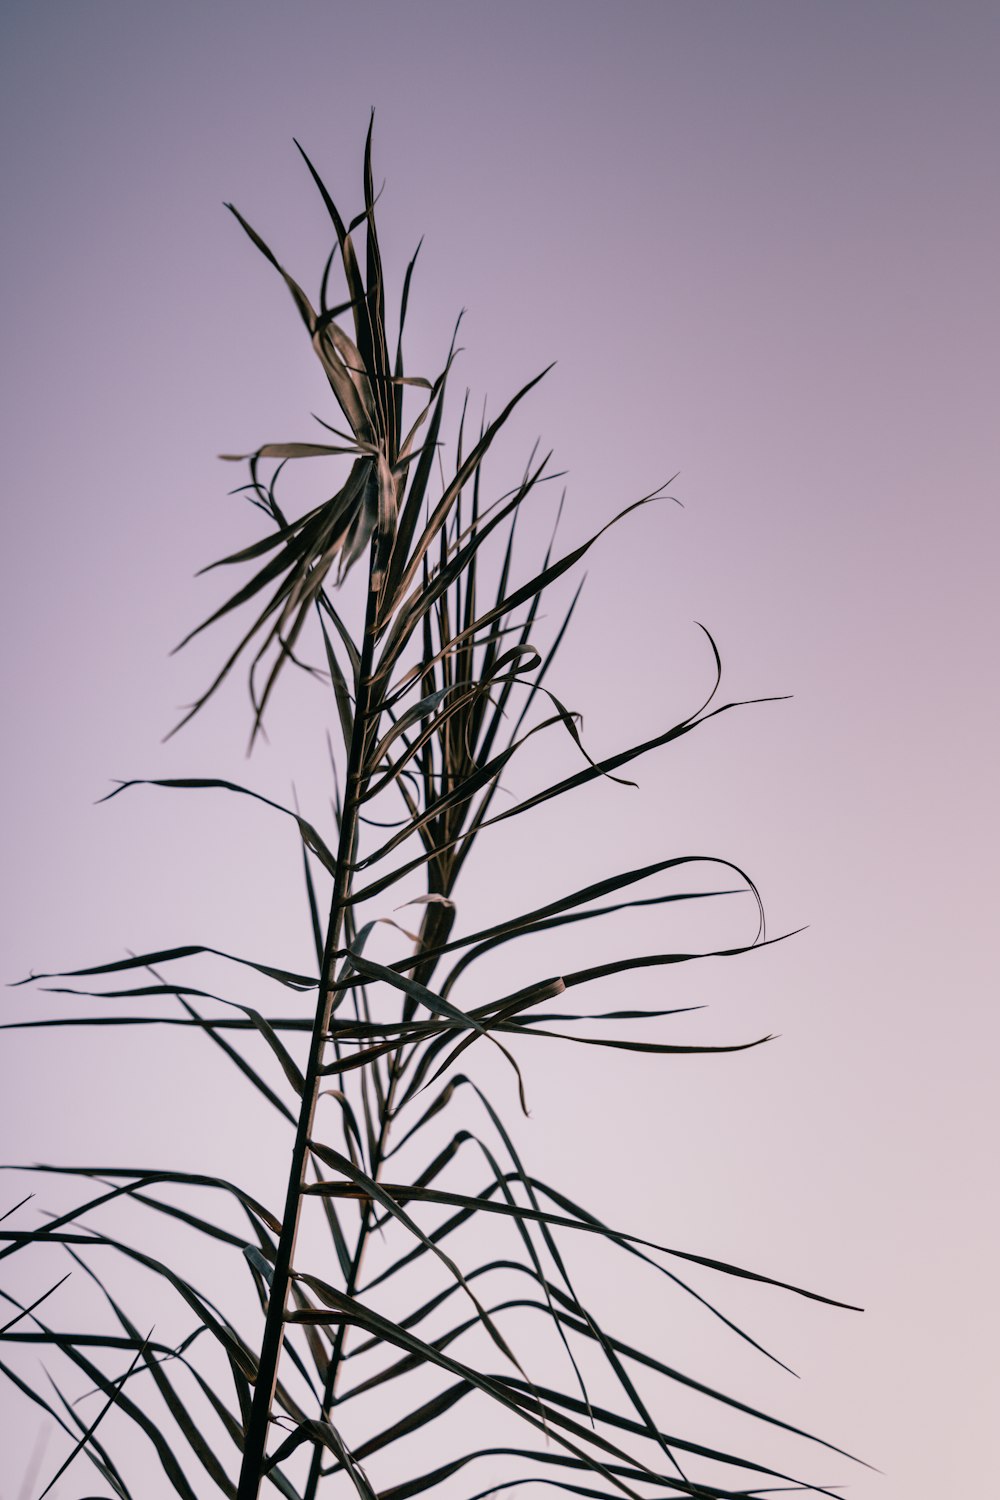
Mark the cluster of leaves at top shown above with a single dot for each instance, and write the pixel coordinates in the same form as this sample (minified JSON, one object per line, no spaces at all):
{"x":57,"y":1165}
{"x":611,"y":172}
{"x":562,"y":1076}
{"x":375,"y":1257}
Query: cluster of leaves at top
{"x":435,"y":693}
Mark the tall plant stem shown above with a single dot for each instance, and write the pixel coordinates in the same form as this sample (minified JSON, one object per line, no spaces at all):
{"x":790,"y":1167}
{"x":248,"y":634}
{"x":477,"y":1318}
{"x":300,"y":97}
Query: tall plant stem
{"x":336,"y":1356}
{"x":274,"y":1326}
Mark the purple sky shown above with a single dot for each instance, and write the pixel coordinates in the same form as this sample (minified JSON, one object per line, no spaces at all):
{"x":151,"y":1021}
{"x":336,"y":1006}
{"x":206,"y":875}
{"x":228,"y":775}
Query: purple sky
{"x":761,"y":241}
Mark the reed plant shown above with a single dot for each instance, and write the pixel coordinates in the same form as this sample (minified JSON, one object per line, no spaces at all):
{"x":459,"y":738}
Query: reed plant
{"x":435,"y":683}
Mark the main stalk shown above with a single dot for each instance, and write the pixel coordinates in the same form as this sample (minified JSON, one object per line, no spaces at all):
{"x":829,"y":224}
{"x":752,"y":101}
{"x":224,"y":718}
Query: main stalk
{"x":255,"y":1445}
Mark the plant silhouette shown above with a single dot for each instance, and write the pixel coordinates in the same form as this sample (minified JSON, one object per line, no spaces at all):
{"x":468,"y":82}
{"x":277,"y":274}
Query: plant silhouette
{"x":433,"y":690}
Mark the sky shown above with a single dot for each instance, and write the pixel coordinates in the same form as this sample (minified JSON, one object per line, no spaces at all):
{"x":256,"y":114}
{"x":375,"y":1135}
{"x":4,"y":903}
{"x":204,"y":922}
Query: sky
{"x":760,"y":242}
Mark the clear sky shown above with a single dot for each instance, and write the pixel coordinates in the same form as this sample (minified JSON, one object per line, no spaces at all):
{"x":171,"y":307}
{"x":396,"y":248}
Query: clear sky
{"x":762,"y":242}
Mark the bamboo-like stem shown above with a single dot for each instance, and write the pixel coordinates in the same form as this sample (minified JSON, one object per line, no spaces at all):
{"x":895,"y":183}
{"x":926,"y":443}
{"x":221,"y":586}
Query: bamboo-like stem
{"x":255,"y":1445}
{"x":336,"y":1357}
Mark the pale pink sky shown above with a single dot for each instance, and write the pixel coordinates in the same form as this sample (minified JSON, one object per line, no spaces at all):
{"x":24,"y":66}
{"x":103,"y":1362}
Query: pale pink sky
{"x":761,"y":241}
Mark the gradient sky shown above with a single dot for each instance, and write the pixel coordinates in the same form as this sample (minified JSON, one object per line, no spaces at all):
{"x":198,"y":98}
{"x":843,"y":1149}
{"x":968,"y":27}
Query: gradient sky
{"x":761,"y":241}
